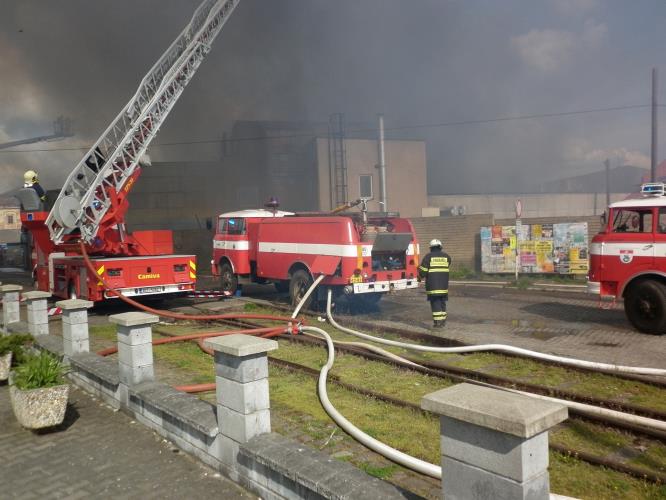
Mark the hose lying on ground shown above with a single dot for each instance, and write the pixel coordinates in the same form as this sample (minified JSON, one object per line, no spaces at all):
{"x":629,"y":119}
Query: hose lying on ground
{"x":496,"y":348}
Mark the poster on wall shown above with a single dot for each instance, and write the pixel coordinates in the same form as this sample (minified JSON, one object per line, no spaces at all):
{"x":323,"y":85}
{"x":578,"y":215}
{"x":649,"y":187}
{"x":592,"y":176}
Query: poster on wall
{"x":543,"y":248}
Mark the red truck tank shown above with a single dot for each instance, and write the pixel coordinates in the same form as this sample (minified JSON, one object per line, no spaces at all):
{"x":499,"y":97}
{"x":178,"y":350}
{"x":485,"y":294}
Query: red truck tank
{"x":365,"y":258}
{"x":628,"y":258}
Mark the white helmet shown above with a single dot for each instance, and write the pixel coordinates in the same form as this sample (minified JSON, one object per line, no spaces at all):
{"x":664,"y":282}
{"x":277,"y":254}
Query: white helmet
{"x":435,"y":243}
{"x":29,"y":178}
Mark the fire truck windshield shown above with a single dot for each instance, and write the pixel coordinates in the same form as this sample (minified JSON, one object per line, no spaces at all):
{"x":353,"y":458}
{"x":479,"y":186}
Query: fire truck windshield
{"x":632,"y":220}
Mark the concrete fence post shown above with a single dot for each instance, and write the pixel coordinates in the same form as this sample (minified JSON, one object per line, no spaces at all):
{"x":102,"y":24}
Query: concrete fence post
{"x":10,"y":306}
{"x":494,"y":444}
{"x":135,"y":347}
{"x":38,"y":316}
{"x":75,"y":336}
{"x":241,"y":378}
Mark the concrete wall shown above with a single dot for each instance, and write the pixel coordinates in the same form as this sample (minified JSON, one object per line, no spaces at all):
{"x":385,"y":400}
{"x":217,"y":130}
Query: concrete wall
{"x":10,"y":218}
{"x":405,"y":174}
{"x":534,"y":205}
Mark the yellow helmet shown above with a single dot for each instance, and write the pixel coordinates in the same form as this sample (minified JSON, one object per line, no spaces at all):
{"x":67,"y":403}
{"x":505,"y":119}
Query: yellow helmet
{"x":29,"y":178}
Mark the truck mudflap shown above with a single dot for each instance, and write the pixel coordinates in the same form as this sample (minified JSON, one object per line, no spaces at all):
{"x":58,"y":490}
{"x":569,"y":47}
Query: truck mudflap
{"x":324,"y":264}
{"x":384,"y":286}
{"x":151,"y":290}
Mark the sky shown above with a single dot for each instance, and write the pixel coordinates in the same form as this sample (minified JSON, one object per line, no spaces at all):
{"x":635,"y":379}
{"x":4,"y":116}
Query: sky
{"x":430,"y":66}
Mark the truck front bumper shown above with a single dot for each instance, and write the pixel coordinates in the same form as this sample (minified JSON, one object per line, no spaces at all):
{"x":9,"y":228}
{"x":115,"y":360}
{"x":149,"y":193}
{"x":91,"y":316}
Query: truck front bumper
{"x":382,"y":286}
{"x":594,"y":287}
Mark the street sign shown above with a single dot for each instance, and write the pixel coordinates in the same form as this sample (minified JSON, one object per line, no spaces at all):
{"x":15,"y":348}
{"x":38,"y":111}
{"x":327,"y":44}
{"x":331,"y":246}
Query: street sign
{"x":519,"y":208}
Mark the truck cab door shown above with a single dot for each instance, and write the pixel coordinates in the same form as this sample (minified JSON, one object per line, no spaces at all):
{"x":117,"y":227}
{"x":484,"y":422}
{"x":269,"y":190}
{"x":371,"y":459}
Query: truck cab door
{"x":660,"y":241}
{"x":629,"y":249}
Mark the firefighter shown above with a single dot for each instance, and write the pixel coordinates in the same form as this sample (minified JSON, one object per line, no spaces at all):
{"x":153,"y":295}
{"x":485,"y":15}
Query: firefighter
{"x":435,"y":269}
{"x":30,"y":180}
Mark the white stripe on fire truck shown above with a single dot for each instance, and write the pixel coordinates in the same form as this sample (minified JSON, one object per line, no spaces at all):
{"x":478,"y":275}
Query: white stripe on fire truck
{"x":231,"y":245}
{"x":642,"y":249}
{"x":314,"y":249}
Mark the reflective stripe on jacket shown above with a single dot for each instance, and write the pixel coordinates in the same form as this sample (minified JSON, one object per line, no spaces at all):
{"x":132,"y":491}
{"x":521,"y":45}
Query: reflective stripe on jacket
{"x":435,"y":269}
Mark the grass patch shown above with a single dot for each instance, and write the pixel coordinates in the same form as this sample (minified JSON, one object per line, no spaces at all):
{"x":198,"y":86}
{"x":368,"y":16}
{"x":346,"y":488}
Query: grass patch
{"x":377,"y":471}
{"x":653,"y":458}
{"x":591,"y":438}
{"x":573,"y":477}
{"x":106,"y":332}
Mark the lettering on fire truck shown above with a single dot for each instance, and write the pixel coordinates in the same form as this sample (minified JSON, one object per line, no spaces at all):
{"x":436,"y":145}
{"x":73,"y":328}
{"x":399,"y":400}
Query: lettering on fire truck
{"x":152,"y":276}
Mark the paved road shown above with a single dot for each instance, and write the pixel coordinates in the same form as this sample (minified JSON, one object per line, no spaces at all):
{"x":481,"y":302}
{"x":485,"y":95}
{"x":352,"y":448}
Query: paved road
{"x":99,"y":453}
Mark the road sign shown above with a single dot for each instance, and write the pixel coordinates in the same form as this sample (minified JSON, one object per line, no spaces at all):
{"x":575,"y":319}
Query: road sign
{"x":519,"y":208}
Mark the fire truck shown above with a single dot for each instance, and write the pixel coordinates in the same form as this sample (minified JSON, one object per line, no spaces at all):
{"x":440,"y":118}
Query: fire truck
{"x":90,"y":209}
{"x":628,"y":258}
{"x":360,"y":254}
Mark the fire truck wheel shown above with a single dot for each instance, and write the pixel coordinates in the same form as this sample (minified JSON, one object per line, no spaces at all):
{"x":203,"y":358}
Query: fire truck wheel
{"x":228,"y":280}
{"x":300,"y":282}
{"x":645,"y":306}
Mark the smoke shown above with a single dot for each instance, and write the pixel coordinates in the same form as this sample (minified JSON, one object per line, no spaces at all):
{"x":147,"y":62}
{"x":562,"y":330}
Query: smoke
{"x":423,"y":62}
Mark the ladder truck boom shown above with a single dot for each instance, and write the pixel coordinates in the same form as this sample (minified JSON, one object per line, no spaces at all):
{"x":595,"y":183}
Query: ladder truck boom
{"x":95,"y":192}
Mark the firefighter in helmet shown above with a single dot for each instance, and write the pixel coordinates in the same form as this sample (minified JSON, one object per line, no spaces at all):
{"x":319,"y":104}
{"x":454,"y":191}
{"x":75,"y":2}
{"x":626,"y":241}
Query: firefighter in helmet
{"x":31,"y":180}
{"x":435,"y":270}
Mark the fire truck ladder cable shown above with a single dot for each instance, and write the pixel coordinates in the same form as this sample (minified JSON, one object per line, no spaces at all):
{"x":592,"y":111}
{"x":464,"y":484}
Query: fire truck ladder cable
{"x":497,"y":348}
{"x":86,"y":196}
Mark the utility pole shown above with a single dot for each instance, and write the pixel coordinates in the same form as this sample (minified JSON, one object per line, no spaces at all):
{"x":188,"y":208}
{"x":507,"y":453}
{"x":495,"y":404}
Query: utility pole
{"x":607,"y":164}
{"x":382,"y":166}
{"x":653,"y":156}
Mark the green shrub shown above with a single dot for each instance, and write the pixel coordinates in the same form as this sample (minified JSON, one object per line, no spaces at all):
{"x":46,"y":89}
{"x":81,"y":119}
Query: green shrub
{"x":14,"y":344}
{"x":39,"y":371}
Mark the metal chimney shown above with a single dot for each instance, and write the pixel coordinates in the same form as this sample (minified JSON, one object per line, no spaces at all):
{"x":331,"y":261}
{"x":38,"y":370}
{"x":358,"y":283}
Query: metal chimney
{"x":382,"y":166}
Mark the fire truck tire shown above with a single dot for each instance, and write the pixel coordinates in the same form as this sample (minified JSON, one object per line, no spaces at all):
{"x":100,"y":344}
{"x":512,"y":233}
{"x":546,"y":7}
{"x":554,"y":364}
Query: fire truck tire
{"x":300,"y":282}
{"x":228,"y":280}
{"x":645,"y":307}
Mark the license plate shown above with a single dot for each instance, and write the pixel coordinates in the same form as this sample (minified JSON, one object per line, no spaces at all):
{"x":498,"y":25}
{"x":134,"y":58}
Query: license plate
{"x":150,"y":289}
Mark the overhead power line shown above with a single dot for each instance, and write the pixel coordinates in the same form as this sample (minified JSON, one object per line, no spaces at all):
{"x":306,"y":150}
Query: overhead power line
{"x":396,"y":128}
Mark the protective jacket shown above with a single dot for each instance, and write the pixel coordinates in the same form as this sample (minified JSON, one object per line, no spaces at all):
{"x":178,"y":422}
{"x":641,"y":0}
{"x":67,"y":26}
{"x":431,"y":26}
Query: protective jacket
{"x":435,"y":269}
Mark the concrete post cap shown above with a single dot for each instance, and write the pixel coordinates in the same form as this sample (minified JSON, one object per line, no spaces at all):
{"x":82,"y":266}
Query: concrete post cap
{"x":36,"y":294}
{"x":134,"y":319}
{"x":502,"y":411}
{"x":240,"y":345}
{"x":10,"y":288}
{"x":70,"y":304}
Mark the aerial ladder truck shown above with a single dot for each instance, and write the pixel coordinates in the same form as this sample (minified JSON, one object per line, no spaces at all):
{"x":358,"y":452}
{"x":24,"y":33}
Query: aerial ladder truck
{"x":88,"y":216}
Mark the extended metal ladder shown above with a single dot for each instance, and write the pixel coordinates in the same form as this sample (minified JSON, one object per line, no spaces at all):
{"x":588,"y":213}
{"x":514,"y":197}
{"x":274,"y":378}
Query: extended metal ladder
{"x":86,"y":195}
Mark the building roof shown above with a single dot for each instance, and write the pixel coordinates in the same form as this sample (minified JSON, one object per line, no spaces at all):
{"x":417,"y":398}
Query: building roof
{"x":9,"y":202}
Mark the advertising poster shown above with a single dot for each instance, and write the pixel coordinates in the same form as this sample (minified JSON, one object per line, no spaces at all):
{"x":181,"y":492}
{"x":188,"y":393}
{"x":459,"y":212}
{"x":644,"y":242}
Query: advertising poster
{"x":543,"y":248}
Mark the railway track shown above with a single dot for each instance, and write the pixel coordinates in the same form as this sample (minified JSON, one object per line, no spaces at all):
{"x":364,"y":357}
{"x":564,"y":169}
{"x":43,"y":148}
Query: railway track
{"x":457,"y":374}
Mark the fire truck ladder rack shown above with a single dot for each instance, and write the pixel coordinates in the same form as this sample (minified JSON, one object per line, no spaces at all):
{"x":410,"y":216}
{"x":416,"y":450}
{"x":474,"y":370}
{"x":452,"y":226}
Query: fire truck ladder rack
{"x":102,"y":174}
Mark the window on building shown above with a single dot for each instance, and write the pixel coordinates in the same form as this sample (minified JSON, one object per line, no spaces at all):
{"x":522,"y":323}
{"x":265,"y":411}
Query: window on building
{"x":365,"y":186}
{"x":10,"y":219}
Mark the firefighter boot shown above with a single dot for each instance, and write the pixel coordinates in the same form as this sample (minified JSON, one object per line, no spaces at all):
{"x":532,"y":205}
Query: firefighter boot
{"x":438,"y":323}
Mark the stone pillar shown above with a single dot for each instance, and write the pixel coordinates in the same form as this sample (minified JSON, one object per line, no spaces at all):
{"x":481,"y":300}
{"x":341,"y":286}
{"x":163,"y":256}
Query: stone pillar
{"x":75,"y":337}
{"x":38,"y":316}
{"x":241,"y":377}
{"x":135,"y":347}
{"x":494,"y":443}
{"x":10,"y":305}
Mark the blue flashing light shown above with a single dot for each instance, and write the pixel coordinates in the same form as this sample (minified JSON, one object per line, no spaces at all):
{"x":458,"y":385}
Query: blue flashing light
{"x":653,"y":189}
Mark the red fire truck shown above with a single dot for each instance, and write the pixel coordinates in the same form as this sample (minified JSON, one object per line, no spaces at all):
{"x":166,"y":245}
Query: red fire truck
{"x":361,"y":255}
{"x":89,"y":212}
{"x":628,"y":258}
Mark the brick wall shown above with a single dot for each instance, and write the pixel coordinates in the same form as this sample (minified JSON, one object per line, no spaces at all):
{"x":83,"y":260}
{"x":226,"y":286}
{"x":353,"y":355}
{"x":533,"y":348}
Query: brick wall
{"x":459,"y":235}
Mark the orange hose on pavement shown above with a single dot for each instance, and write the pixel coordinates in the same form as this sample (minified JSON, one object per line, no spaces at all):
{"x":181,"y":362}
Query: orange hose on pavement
{"x":189,"y":317}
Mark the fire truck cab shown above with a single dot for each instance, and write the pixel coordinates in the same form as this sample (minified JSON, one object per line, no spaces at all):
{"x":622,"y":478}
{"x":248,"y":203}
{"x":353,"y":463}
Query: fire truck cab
{"x":359,"y":255}
{"x":628,"y":258}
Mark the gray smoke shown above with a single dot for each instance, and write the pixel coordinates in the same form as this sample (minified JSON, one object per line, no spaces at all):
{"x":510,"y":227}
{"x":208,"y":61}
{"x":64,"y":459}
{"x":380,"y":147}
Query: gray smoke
{"x":418,"y":62}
